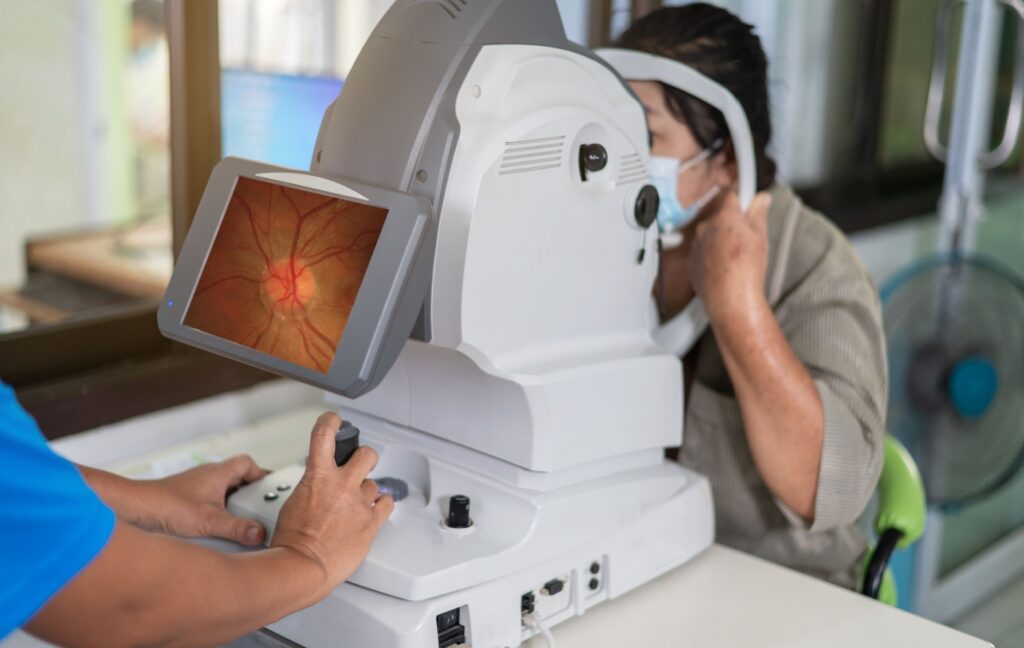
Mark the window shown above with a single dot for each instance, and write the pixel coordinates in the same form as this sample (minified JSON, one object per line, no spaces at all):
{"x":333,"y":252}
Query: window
{"x":908,"y":71}
{"x":284,"y":61}
{"x":849,"y":82}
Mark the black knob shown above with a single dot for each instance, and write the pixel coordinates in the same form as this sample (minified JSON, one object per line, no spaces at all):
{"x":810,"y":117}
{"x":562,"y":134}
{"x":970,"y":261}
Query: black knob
{"x":646,"y":208}
{"x":593,"y":158}
{"x":346,"y":440}
{"x":458,"y":512}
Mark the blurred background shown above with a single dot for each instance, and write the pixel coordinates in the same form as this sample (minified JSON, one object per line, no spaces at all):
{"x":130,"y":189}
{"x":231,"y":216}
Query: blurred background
{"x":87,"y":119}
{"x":111,"y":125}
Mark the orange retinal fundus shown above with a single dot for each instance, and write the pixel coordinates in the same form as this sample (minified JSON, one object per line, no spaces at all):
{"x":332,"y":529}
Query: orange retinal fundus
{"x":284,"y":271}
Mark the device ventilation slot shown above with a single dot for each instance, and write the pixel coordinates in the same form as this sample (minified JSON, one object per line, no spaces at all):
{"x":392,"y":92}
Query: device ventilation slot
{"x":532,"y":155}
{"x":632,"y":169}
{"x":451,"y":7}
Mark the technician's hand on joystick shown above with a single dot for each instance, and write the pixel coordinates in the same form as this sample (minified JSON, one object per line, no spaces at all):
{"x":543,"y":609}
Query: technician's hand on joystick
{"x":334,"y":513}
{"x":346,"y":442}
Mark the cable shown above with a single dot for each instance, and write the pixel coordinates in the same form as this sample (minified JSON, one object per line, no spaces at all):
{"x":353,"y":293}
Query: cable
{"x":535,"y":623}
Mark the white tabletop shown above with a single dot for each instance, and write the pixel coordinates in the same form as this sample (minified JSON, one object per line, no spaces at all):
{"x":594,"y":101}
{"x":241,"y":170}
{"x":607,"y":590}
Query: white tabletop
{"x":721,"y":598}
{"x":727,"y":598}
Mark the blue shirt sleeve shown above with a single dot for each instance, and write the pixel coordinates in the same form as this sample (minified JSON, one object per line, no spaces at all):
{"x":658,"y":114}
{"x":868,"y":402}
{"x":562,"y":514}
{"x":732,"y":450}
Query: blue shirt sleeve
{"x":51,"y":523}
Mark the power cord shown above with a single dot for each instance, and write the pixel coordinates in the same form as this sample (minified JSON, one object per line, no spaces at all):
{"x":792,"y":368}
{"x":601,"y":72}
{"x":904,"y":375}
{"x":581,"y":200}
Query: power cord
{"x":533,"y":622}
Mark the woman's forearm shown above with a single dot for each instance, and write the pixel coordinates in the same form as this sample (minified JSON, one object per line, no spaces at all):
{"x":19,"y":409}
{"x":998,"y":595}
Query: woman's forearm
{"x":781,"y":408}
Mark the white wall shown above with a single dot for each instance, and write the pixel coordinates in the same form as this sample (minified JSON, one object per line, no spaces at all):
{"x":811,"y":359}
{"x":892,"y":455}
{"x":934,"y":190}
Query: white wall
{"x":65,"y":150}
{"x":42,"y":170}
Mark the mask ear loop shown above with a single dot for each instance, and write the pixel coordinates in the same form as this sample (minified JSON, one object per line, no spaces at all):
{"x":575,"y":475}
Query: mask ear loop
{"x":708,"y":153}
{"x":715,"y":148}
{"x":708,"y":197}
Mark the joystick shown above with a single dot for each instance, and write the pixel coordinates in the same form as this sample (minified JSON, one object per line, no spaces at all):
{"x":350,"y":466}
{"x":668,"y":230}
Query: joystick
{"x":346,"y":441}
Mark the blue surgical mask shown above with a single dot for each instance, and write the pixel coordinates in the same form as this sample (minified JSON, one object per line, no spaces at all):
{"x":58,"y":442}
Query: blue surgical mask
{"x":672,"y":216}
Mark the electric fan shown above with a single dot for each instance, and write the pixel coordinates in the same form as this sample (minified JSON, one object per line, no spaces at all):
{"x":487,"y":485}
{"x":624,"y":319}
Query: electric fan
{"x":955,"y":331}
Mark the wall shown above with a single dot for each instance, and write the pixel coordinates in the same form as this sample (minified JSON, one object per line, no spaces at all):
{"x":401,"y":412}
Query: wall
{"x":42,"y":170}
{"x":64,"y":161}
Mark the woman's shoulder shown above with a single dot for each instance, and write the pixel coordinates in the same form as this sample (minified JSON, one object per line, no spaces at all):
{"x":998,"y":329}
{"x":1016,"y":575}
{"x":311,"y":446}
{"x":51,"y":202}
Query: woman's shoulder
{"x":805,"y":246}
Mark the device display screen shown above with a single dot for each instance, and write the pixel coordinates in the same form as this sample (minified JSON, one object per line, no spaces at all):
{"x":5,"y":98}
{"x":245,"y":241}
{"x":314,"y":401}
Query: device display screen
{"x":284,"y":271}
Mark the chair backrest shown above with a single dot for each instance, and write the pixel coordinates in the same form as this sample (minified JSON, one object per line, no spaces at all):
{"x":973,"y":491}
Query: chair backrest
{"x":900,"y":520}
{"x":901,"y":497}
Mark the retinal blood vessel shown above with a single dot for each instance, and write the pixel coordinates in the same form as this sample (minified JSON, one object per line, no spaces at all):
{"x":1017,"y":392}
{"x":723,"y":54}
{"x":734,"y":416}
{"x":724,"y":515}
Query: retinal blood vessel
{"x":284,"y":270}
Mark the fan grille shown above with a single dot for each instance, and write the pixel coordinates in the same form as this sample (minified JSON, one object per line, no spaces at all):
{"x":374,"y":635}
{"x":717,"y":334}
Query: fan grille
{"x":942,"y":313}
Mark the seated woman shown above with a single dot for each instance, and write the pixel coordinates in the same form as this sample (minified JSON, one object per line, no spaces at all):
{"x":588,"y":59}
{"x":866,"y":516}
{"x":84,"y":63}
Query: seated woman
{"x":786,"y":392}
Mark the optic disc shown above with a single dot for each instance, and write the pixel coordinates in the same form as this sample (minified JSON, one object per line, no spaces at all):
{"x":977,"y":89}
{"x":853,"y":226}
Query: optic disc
{"x":289,"y":284}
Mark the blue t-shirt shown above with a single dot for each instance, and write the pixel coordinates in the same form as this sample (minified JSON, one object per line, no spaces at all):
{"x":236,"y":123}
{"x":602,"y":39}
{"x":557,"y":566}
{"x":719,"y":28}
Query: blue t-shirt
{"x":51,"y":523}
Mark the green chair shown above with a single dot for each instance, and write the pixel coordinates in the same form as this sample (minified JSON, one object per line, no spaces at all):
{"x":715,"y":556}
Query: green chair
{"x":899,"y":522}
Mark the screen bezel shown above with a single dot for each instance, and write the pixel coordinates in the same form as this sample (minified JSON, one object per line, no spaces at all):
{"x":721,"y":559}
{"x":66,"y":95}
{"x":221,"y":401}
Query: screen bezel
{"x":384,"y":293}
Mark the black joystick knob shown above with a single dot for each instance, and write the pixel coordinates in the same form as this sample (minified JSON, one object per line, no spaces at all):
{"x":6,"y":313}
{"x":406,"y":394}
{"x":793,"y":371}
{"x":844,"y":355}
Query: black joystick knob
{"x":646,"y":208}
{"x":458,"y":512}
{"x":346,"y":441}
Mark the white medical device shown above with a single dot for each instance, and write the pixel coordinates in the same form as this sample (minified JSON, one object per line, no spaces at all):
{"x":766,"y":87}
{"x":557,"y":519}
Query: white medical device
{"x":467,"y":270}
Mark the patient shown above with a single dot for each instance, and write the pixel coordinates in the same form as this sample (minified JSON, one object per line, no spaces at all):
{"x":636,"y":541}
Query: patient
{"x":786,"y":392}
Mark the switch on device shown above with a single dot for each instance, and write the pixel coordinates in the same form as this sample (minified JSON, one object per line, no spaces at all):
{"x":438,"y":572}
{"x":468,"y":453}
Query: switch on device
{"x":458,"y":513}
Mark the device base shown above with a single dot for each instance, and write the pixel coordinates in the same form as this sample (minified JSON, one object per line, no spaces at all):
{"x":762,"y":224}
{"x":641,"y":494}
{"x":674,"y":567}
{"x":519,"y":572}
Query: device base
{"x":651,"y":540}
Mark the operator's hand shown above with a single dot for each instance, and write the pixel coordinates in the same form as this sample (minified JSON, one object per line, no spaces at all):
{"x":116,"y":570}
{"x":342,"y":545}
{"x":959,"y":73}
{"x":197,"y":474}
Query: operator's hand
{"x":729,"y":256}
{"x":192,"y":503}
{"x":334,"y":513}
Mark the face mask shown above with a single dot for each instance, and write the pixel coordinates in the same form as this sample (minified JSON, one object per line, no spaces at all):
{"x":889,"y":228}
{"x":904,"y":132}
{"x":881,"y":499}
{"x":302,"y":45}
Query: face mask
{"x":673,"y":216}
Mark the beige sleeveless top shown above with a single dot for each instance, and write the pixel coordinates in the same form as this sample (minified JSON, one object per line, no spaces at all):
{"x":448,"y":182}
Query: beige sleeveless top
{"x":829,"y":311}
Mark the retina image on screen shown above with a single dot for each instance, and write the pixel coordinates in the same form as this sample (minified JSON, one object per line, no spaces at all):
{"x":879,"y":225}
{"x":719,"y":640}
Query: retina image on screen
{"x":284,"y":271}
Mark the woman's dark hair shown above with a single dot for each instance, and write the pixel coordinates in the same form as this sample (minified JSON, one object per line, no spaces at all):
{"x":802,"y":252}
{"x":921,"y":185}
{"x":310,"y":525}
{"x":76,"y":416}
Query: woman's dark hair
{"x":722,"y":47}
